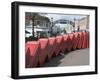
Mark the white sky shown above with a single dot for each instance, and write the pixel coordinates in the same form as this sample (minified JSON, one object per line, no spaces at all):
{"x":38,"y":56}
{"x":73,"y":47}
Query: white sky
{"x":64,"y":16}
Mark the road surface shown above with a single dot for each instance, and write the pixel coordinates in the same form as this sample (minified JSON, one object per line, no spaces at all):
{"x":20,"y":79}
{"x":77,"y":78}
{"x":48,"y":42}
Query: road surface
{"x":73,"y":58}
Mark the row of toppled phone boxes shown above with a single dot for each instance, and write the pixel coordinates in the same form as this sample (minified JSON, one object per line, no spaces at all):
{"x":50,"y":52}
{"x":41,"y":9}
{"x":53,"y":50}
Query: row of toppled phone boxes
{"x":37,"y":52}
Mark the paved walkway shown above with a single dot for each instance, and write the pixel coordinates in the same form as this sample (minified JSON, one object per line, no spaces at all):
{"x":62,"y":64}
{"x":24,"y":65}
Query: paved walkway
{"x":73,"y":58}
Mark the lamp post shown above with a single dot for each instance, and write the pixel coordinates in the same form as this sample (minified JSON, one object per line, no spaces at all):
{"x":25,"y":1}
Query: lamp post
{"x":78,"y":25}
{"x":51,"y":24}
{"x":33,"y":20}
{"x":33,"y":25}
{"x":74,"y":24}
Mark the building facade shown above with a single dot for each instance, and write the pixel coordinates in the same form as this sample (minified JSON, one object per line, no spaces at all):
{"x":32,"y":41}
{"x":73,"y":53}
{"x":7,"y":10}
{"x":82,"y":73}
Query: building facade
{"x":63,"y":26}
{"x":83,"y":23}
{"x":41,"y":25}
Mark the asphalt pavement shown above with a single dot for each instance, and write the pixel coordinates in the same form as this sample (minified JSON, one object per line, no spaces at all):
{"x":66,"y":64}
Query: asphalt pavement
{"x":73,"y":58}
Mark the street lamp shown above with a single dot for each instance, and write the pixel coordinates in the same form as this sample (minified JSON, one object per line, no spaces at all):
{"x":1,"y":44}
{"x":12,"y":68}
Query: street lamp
{"x":33,"y":19}
{"x":78,"y":25}
{"x":74,"y":24}
{"x":51,"y":24}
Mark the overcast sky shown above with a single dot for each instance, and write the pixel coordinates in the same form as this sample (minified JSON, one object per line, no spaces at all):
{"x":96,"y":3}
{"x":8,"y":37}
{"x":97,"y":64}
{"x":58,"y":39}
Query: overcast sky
{"x":64,"y":16}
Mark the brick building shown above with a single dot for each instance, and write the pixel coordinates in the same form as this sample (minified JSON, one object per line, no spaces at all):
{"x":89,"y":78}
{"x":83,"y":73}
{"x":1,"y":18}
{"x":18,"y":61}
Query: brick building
{"x":83,"y":23}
